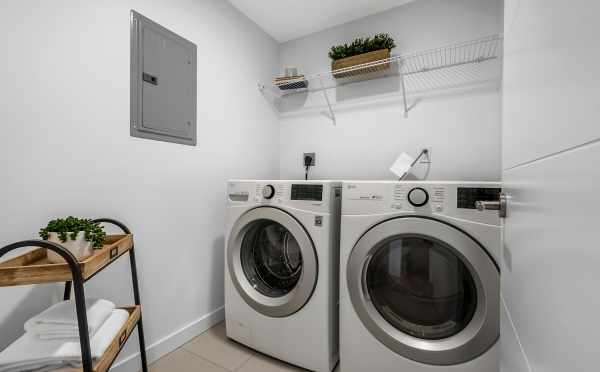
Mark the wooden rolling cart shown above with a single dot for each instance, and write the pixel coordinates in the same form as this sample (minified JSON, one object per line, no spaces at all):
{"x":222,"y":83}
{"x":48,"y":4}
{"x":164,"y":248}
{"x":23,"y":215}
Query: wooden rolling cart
{"x":33,"y":268}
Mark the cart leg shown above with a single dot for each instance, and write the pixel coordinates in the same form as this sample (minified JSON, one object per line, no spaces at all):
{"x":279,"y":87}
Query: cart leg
{"x":67,"y":294}
{"x":136,"y":296}
{"x":136,"y":290}
{"x":84,"y":336}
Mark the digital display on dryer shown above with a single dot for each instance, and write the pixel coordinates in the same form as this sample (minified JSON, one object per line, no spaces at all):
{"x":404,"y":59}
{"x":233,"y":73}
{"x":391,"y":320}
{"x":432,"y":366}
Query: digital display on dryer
{"x":467,"y":196}
{"x":307,"y":192}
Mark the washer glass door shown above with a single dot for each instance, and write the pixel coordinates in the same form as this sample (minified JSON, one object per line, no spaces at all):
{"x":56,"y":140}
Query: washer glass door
{"x":271,"y":258}
{"x":272,"y":261}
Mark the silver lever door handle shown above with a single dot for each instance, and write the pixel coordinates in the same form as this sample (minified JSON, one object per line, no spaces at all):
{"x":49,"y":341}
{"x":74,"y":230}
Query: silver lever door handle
{"x":487,"y":205}
{"x":499,"y":205}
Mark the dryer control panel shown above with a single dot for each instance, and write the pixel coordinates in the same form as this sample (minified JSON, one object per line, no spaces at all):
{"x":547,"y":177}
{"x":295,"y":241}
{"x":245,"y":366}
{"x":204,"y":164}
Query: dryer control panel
{"x":452,"y":199}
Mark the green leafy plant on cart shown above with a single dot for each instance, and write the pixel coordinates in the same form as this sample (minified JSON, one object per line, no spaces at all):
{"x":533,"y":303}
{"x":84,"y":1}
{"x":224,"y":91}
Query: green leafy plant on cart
{"x":71,"y":226}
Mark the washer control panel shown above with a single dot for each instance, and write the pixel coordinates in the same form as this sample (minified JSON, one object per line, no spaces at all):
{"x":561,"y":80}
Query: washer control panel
{"x":270,"y":192}
{"x":419,"y":197}
{"x":307,"y":192}
{"x":452,"y":199}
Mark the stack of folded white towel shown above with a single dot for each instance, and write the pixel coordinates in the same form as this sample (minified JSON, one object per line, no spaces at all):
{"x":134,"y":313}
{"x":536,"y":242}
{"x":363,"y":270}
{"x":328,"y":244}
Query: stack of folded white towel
{"x":51,"y":339}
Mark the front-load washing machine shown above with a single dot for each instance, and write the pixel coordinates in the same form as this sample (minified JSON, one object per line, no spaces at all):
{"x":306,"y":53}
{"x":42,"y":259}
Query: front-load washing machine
{"x":419,"y":278}
{"x":282,"y":269}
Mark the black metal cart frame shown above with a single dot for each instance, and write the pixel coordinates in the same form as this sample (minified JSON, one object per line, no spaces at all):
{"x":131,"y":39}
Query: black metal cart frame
{"x":78,"y":289}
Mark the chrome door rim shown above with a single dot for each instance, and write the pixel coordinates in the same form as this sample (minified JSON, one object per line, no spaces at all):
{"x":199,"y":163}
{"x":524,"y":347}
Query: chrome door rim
{"x":483,"y":329}
{"x":294,"y":300}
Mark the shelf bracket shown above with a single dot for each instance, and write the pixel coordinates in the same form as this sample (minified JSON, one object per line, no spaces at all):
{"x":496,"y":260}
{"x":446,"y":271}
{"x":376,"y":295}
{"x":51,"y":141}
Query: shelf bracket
{"x":331,"y":114}
{"x":403,"y":92}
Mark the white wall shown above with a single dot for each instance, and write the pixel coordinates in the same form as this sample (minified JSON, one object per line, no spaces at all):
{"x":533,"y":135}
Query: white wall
{"x":462,"y":130}
{"x":65,"y":149}
{"x":551,"y":137}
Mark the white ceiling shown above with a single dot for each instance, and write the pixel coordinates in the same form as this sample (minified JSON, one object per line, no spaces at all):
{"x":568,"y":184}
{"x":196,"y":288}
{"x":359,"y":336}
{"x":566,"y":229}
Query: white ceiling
{"x":290,"y":19}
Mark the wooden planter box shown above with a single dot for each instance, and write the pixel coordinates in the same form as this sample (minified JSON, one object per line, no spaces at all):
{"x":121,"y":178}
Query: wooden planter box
{"x":360,"y":59}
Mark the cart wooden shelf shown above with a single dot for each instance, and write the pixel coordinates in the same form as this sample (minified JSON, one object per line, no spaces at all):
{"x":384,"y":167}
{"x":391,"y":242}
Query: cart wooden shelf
{"x":33,"y":268}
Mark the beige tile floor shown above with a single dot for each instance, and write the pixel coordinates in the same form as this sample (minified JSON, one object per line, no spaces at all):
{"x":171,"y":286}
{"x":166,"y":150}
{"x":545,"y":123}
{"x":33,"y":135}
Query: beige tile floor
{"x":213,"y":352}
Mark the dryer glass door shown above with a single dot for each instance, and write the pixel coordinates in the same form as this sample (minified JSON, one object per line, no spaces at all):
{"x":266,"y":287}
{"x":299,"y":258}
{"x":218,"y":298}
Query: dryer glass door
{"x":421,"y":287}
{"x":272,"y":261}
{"x":426,"y":290}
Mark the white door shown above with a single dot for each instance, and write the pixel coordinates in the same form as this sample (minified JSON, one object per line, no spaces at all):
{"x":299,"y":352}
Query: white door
{"x":551,"y":170}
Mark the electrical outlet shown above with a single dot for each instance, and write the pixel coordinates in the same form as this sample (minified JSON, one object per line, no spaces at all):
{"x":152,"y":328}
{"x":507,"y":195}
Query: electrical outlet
{"x":313,"y":156}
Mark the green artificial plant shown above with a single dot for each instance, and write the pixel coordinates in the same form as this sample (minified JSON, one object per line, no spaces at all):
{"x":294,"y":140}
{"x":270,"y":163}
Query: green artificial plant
{"x":69,"y":228}
{"x":362,"y":45}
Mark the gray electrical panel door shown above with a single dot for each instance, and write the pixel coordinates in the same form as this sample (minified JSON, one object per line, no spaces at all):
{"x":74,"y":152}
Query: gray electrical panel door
{"x":163,"y":83}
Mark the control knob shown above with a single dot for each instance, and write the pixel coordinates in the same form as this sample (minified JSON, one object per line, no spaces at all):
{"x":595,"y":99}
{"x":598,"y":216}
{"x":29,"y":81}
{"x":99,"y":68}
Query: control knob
{"x":268,"y":192}
{"x":418,"y":197}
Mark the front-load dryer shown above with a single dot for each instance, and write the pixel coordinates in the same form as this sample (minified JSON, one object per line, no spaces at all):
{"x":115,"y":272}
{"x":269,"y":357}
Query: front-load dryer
{"x":419,"y":278}
{"x":282,"y":269}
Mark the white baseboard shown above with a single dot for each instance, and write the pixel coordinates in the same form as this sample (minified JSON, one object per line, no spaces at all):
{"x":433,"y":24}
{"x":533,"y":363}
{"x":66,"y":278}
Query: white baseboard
{"x":171,"y":342}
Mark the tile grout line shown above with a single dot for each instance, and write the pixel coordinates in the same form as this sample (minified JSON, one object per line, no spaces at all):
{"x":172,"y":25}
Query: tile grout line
{"x":246,"y":361}
{"x":206,"y":360}
{"x":252,"y":353}
{"x":166,"y":356}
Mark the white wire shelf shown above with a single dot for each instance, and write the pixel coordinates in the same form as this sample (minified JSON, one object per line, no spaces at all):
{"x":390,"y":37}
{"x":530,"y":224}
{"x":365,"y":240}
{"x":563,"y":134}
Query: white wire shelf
{"x":419,"y":71}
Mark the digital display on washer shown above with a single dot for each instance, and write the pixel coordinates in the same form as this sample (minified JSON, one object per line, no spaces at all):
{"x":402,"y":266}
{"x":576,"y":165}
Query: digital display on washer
{"x":307,"y":192}
{"x":467,"y":196}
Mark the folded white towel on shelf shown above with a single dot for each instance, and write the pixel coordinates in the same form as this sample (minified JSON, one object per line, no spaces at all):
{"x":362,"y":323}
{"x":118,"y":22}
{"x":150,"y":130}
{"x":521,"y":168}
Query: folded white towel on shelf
{"x":30,"y":353}
{"x":45,"y":367}
{"x":60,"y":320}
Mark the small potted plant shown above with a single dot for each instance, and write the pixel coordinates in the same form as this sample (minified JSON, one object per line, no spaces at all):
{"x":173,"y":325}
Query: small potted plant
{"x":78,"y":235}
{"x":361,"y":51}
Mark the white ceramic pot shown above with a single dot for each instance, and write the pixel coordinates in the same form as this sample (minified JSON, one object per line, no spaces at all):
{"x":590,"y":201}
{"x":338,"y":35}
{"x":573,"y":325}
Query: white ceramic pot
{"x":80,"y":247}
